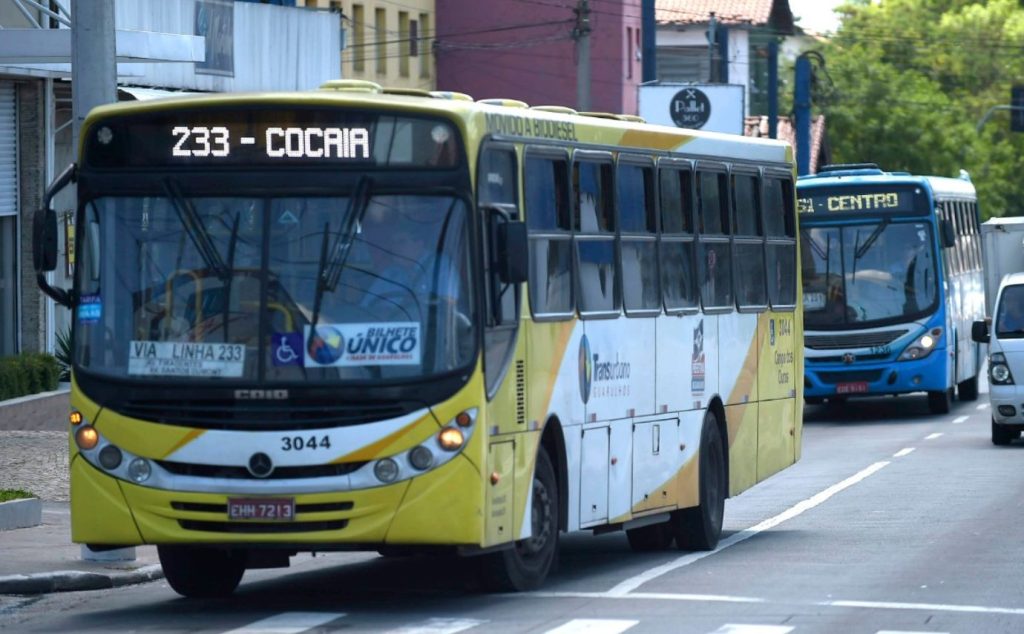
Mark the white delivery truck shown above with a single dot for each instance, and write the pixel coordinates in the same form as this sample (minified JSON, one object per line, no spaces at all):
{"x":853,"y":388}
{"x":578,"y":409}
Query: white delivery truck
{"x":1002,"y":241}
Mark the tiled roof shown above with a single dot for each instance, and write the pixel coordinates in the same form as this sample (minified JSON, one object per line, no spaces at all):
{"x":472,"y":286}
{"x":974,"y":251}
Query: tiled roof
{"x":752,"y":12}
{"x":758,"y":127}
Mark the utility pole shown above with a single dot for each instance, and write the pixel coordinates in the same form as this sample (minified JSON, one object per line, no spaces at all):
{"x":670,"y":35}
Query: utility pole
{"x":582,"y":36}
{"x":93,"y":62}
{"x":649,"y":28}
{"x":712,"y":35}
{"x":802,"y":110}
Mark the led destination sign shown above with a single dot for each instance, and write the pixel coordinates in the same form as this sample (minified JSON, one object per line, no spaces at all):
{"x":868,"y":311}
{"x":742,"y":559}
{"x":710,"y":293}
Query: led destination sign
{"x":249,"y":136}
{"x":860,"y":200}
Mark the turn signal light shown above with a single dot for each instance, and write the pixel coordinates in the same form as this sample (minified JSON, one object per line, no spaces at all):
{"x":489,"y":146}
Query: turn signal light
{"x":75,"y":418}
{"x":450,"y":438}
{"x":464,"y":419}
{"x":87,"y":437}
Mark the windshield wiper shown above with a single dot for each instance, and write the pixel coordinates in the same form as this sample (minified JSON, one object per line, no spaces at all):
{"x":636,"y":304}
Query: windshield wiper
{"x":860,"y":251}
{"x":329,"y":270}
{"x":196,"y":230}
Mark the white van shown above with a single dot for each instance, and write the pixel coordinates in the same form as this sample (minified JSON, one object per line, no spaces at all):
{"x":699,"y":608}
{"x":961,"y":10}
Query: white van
{"x":1005,"y":337}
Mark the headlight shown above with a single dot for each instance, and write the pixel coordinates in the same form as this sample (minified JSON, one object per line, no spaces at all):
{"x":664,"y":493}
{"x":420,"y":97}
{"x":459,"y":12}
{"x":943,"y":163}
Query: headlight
{"x":998,"y":371}
{"x":922,"y":346}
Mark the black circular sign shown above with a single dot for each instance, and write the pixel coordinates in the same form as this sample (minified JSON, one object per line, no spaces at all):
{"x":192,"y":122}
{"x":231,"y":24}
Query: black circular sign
{"x":690,"y":108}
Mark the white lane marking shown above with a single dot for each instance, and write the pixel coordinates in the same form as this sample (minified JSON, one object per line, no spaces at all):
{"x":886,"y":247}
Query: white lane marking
{"x":933,"y":436}
{"x":982,"y":406}
{"x":658,"y":596}
{"x":960,"y":419}
{"x":594,"y":626}
{"x":439,"y":626}
{"x":908,"y":632}
{"x":288,"y":623}
{"x":871,"y":605}
{"x":903,"y":452}
{"x":635,"y":582}
{"x":745,"y":628}
{"x":931,"y":607}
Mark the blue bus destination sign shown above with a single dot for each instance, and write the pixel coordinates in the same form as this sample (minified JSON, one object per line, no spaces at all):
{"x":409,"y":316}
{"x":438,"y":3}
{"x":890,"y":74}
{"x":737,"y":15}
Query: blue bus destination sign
{"x":858,"y":200}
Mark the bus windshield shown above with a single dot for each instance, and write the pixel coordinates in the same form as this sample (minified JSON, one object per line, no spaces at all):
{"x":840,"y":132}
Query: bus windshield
{"x":363,"y":288}
{"x":868,"y":273}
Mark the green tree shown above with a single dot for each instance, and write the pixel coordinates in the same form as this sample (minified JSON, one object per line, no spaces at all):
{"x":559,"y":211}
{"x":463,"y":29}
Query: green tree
{"x":906,"y":82}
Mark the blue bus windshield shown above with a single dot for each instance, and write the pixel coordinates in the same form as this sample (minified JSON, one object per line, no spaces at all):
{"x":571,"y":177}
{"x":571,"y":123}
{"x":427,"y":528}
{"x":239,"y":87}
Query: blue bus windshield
{"x":868,"y":274}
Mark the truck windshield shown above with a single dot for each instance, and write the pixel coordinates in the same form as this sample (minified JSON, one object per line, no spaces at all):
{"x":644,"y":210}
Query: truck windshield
{"x":1010,"y":315}
{"x":869,"y":273}
{"x":282,"y":289}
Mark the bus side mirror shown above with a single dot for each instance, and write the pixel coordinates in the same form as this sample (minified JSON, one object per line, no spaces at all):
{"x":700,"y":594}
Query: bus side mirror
{"x":44,"y":238}
{"x":948,"y":234}
{"x":512,"y":252}
{"x":979,"y":331}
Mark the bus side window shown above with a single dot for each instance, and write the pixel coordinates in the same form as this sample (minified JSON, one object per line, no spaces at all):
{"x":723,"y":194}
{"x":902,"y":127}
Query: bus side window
{"x":780,"y":246}
{"x":638,"y":246}
{"x":676,"y":243}
{"x":598,"y":280}
{"x":748,"y":242}
{"x":549,"y":222}
{"x":714,"y":263}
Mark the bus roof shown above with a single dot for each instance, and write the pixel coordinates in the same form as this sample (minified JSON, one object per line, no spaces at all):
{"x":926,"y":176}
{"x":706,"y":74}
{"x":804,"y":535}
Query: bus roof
{"x":498,"y":117}
{"x":866,"y":174}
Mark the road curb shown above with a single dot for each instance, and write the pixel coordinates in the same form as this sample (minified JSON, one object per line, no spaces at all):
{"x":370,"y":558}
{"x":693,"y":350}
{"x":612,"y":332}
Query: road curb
{"x":76,"y":580}
{"x":21,"y":513}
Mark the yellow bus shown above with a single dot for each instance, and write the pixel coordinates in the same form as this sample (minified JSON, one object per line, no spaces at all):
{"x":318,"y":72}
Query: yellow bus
{"x":357,"y":318}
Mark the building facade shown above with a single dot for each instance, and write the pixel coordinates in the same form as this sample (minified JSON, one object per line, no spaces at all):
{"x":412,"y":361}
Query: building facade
{"x":527,"y":50}
{"x":386,"y":42}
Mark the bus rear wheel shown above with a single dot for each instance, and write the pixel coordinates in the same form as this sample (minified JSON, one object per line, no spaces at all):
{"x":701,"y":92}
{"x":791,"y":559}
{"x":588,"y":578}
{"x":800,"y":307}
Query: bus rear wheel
{"x":526,"y":565}
{"x":968,"y":390}
{"x":940,"y":402}
{"x":202,"y":573}
{"x":700,"y":527}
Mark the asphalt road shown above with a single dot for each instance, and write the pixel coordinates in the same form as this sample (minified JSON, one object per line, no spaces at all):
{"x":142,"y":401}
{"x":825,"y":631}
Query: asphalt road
{"x":893,"y":521}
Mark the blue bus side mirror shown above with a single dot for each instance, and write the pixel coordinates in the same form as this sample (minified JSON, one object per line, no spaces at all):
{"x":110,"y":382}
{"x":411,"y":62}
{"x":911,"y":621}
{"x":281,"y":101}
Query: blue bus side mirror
{"x":512,"y":252}
{"x":948,"y":234}
{"x":979,"y":331}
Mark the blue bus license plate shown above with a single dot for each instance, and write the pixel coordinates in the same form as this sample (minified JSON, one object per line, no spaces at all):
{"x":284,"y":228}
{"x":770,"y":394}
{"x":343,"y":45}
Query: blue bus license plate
{"x":272,"y":509}
{"x":852,"y":388}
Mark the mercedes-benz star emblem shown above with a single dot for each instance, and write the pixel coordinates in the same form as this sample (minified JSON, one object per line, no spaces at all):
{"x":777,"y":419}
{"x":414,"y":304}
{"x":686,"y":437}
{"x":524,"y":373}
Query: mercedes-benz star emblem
{"x":260,"y":465}
{"x":848,"y":358}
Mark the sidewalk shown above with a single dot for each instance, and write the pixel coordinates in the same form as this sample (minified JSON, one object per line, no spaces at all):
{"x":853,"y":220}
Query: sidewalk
{"x":40,"y":559}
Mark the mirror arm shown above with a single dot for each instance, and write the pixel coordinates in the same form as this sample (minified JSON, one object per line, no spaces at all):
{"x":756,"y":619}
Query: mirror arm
{"x":59,"y":295}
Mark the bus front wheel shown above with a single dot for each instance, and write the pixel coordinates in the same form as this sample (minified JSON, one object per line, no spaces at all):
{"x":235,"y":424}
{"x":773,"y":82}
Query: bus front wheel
{"x":700,"y":527}
{"x":201,"y":573}
{"x":527,"y":564}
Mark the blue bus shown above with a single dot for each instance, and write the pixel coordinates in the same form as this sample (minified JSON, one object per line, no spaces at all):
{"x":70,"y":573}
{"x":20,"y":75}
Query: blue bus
{"x":892,"y":280}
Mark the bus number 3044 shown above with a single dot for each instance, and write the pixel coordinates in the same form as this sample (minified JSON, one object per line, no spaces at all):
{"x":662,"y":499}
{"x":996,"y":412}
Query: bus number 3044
{"x":298,"y":443}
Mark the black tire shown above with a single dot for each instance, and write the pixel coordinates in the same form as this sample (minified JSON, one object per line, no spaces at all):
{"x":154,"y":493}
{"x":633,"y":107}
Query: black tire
{"x":526,"y":565}
{"x":700,"y":527}
{"x":940,"y":402}
{"x":202,"y":573}
{"x":650,"y":538}
{"x":1001,"y":435}
{"x":968,"y":390}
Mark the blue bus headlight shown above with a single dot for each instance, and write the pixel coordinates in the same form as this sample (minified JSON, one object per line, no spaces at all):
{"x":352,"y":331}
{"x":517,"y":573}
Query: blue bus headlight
{"x":998,"y":371}
{"x":922,"y":346}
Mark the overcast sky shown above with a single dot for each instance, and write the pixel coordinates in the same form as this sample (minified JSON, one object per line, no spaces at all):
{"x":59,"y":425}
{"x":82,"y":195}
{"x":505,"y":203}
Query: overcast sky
{"x":816,"y":15}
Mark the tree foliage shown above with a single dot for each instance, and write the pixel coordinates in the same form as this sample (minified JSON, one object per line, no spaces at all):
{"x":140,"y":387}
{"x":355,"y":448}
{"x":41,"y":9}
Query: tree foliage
{"x":906,"y":83}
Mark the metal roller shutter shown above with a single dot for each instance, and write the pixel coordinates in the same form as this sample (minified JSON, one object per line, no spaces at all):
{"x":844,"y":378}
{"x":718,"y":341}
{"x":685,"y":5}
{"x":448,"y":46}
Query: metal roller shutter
{"x":8,"y":151}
